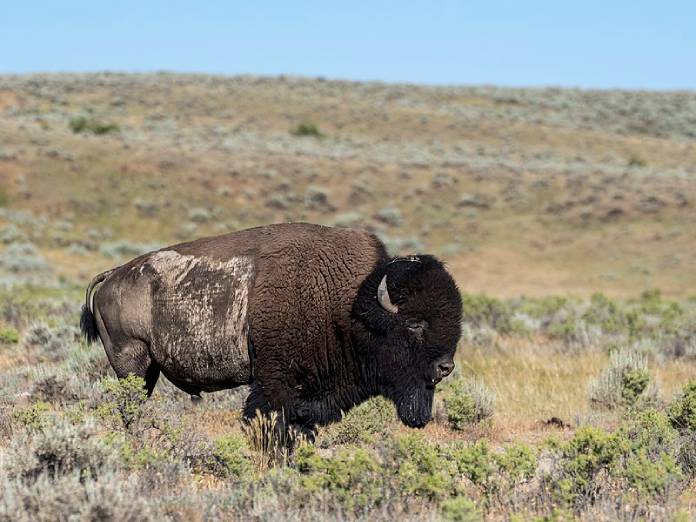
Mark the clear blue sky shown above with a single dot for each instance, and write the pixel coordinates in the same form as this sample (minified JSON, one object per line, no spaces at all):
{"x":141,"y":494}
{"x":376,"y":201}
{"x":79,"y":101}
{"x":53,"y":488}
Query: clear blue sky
{"x":633,"y":44}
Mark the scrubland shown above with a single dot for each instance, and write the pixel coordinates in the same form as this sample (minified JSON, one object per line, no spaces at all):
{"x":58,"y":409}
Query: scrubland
{"x":566,"y":216}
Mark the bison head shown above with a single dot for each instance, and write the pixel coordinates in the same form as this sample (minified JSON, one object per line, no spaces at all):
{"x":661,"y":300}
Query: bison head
{"x":407,"y":323}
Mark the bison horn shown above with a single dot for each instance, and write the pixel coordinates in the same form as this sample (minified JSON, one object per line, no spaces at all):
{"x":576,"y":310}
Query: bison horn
{"x":383,"y":297}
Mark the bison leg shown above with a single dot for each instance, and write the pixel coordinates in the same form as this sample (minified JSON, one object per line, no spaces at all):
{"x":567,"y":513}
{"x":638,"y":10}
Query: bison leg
{"x":256,"y":401}
{"x":151,"y":375}
{"x":134,"y":358}
{"x":131,"y":356}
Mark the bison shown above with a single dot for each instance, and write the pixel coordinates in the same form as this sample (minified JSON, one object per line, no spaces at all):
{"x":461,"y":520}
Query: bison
{"x":315,"y":319}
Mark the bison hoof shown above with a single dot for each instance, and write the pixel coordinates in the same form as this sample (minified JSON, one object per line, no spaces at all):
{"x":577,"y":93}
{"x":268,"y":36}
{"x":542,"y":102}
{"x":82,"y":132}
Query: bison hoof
{"x":196,"y":399}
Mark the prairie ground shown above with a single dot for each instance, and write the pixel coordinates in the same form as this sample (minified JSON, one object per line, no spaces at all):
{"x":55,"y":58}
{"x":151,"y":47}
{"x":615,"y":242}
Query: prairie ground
{"x":566,"y":217}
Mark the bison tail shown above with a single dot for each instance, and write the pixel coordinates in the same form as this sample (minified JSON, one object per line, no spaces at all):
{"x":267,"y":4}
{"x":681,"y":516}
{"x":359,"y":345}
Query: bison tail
{"x":88,"y":323}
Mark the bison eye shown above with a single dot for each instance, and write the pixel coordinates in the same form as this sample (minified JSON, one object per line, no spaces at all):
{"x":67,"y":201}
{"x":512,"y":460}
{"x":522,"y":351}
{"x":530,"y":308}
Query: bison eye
{"x":416,"y":326}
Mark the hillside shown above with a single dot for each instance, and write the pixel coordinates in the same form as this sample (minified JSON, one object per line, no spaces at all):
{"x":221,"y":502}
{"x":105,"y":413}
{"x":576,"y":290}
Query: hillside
{"x":522,"y":191}
{"x":567,"y":218}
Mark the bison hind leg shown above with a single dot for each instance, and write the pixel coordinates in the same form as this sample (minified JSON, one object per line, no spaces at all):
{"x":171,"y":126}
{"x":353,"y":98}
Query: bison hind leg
{"x":133,"y":358}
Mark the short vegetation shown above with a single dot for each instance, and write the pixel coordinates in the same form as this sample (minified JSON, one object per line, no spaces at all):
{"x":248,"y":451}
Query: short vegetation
{"x":562,"y":406}
{"x":84,"y":124}
{"x":306,"y":129}
{"x":78,"y":443}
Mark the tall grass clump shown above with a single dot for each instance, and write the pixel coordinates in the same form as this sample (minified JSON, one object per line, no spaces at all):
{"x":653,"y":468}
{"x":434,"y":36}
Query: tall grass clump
{"x":271,"y":440}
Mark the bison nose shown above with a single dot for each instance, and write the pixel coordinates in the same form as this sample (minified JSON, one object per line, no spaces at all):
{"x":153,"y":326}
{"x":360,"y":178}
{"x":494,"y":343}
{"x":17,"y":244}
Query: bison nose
{"x":445,"y":368}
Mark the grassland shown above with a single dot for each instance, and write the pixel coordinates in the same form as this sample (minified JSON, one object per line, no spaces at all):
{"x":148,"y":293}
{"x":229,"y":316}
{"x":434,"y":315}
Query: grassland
{"x":558,"y":211}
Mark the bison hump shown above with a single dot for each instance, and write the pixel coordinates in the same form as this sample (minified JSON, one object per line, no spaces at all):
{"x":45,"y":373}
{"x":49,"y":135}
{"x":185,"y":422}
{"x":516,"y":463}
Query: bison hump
{"x":200,"y":309}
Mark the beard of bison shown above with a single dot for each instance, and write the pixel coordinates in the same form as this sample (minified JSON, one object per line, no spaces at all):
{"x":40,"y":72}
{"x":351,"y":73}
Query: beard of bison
{"x":406,"y":325}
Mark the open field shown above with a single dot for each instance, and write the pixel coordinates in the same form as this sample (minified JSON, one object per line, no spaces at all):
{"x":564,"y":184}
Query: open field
{"x":573,"y":211}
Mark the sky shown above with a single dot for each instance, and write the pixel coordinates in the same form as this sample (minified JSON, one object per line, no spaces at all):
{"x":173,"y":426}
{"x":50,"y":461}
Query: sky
{"x":593,"y":44}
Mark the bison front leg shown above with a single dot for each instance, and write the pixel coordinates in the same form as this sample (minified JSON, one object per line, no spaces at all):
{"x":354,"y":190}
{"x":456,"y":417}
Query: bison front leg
{"x":256,"y":403}
{"x":290,"y":422}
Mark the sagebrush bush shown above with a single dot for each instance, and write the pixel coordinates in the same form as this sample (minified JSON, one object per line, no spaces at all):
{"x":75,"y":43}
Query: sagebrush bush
{"x":641,"y":457}
{"x":360,"y":424}
{"x":353,"y":478}
{"x":467,"y":401}
{"x":421,"y":468}
{"x":124,"y":248}
{"x":682,"y":410}
{"x":390,"y":215}
{"x":459,"y":509}
{"x":80,"y":124}
{"x":481,"y":310}
{"x":74,"y":496}
{"x":123,"y":400}
{"x":32,"y":416}
{"x":231,"y":451}
{"x":8,"y":335}
{"x":626,"y":381}
{"x":60,"y":448}
{"x":306,"y":129}
{"x":52,"y":389}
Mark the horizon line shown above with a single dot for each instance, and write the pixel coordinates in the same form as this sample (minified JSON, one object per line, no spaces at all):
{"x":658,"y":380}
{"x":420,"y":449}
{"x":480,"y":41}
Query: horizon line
{"x":322,"y":78}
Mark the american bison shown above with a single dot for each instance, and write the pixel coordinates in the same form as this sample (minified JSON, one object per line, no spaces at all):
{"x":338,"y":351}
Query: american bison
{"x":316,"y":319}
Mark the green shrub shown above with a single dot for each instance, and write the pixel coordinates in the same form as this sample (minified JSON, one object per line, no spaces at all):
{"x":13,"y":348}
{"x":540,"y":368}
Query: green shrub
{"x":494,"y":473}
{"x":353,"y":478}
{"x":138,"y":456}
{"x":124,"y":400}
{"x":481,"y":310}
{"x":518,"y":462}
{"x":649,"y":429}
{"x":421,"y":469}
{"x":82,"y":124}
{"x":544,"y":307}
{"x":306,"y":129}
{"x":8,"y":335}
{"x":459,"y":509}
{"x":589,"y":452}
{"x":651,"y":477}
{"x":476,"y":462}
{"x":361,"y":423}
{"x":467,"y":401}
{"x":640,"y":457}
{"x":231,"y":451}
{"x":606,"y":314}
{"x":33,"y":416}
{"x":650,"y":464}
{"x":682,"y":410}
